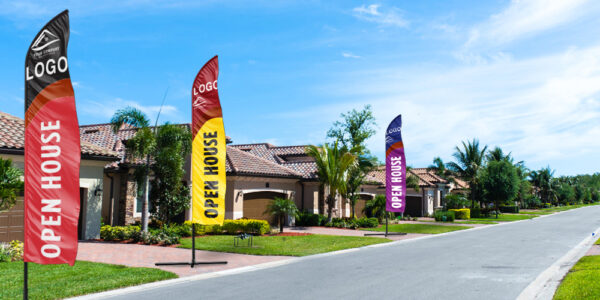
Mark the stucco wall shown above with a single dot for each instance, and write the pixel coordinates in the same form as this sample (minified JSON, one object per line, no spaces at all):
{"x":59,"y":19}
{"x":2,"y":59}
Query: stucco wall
{"x":91,"y":176}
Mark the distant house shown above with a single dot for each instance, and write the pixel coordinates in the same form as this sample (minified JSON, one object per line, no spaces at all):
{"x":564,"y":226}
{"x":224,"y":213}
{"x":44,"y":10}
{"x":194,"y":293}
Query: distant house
{"x":256,"y":174}
{"x":93,"y":161}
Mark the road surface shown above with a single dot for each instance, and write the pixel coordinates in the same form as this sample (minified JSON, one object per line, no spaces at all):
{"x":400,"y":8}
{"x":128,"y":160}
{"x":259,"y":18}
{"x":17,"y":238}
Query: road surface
{"x":494,"y":262}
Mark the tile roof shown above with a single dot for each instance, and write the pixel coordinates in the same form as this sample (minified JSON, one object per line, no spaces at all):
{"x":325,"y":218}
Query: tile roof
{"x":426,"y":178}
{"x":12,"y":138}
{"x":243,"y":163}
{"x":301,"y":163}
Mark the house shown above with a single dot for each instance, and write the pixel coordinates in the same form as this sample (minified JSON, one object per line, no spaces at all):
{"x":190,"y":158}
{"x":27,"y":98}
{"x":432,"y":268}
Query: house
{"x":256,"y":174}
{"x":93,"y":161}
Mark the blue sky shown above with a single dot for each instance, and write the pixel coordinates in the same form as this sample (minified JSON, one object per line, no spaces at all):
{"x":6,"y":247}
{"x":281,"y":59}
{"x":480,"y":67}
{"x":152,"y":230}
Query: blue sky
{"x":523,"y":75}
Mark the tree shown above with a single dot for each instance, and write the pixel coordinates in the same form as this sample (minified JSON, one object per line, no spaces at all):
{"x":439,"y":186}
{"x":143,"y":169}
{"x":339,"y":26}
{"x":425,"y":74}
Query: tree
{"x":375,"y":207}
{"x":332,"y":168}
{"x":352,"y":133}
{"x":279,"y":208}
{"x":169,"y":196}
{"x":500,"y":182}
{"x":10,"y":184}
{"x":545,"y":187}
{"x":357,"y":127}
{"x":439,"y":168}
{"x":565,"y":193}
{"x":469,"y":160}
{"x":140,"y":146}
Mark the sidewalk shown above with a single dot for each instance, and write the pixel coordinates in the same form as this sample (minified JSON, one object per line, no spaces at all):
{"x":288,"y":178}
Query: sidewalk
{"x":134,"y":255}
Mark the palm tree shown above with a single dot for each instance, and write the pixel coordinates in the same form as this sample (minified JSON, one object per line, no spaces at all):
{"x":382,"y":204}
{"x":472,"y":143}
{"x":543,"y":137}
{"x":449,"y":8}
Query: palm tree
{"x":545,"y":184}
{"x":138,"y":147}
{"x":10,"y":184}
{"x":279,"y":208}
{"x":469,"y":160}
{"x":332,"y":169}
{"x":376,"y":207}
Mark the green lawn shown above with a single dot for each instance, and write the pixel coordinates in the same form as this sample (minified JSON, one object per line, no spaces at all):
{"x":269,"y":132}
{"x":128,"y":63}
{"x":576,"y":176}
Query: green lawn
{"x":283,"y":245}
{"x":551,"y":210}
{"x":474,"y":222}
{"x":61,"y":281}
{"x":506,"y":217}
{"x":418,"y":228}
{"x":598,"y":242}
{"x":582,"y":280}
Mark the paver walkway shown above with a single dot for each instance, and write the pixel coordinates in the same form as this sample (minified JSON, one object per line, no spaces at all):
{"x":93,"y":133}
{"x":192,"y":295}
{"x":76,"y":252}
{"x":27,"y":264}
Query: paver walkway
{"x":134,"y":255}
{"x":595,"y":250}
{"x":348,"y":232}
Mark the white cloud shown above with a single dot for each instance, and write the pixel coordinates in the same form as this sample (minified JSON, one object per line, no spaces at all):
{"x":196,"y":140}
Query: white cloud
{"x":372,"y":13}
{"x":523,"y":18}
{"x":544,"y":110}
{"x":349,"y":55}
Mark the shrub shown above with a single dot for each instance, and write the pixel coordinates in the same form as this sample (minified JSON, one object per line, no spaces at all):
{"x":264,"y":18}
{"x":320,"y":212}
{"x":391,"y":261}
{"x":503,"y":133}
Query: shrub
{"x":455,"y":201}
{"x":509,"y":209}
{"x":4,"y":252}
{"x":462,"y":214}
{"x":367,"y":222}
{"x":449,"y":216}
{"x":118,"y":233}
{"x":306,"y":218}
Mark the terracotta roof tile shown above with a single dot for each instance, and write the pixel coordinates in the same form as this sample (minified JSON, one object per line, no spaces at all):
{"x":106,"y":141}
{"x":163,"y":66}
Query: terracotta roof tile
{"x":12,"y":137}
{"x":242,"y":163}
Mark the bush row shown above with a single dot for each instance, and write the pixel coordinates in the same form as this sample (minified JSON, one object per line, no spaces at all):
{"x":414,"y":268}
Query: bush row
{"x":309,"y":219}
{"x":12,"y":251}
{"x":462,"y":213}
{"x":134,"y":233}
{"x":351,"y":223}
{"x":444,"y":216}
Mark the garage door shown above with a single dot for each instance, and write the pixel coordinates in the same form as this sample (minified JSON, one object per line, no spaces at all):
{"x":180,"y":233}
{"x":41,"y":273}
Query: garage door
{"x":11,"y":223}
{"x":360,"y":205}
{"x":413,"y":206}
{"x":255,"y":204}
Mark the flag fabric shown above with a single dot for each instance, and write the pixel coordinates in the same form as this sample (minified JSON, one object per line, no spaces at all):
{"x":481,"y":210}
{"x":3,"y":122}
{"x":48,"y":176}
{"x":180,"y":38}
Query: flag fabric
{"x":395,"y":168}
{"x":52,"y":149}
{"x":208,"y":148}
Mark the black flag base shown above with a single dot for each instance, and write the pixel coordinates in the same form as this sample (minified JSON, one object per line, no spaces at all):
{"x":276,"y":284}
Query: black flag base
{"x":193,"y":262}
{"x":386,"y":230}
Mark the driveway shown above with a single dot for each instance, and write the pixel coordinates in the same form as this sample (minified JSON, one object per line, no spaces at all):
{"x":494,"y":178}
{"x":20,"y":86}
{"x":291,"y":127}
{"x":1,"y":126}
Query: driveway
{"x":493,"y":262}
{"x":134,"y":255}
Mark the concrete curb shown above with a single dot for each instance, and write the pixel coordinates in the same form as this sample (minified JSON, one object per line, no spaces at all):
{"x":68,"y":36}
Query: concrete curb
{"x":158,"y":284}
{"x":545,"y":285}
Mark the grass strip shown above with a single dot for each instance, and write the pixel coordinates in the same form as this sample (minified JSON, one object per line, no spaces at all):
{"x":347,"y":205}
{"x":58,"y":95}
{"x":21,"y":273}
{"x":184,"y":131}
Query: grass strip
{"x":283,"y":245}
{"x":62,"y":281}
{"x":582,"y":280}
{"x":419,"y":228}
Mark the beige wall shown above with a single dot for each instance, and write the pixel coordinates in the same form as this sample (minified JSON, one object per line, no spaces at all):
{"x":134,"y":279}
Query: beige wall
{"x":91,"y":176}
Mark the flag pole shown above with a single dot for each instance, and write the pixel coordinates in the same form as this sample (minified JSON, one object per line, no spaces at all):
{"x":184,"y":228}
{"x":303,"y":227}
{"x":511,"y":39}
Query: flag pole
{"x":25,"y":287}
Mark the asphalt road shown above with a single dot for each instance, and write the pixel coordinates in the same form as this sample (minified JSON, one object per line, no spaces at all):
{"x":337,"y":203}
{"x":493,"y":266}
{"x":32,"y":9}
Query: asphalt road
{"x":495,"y":262}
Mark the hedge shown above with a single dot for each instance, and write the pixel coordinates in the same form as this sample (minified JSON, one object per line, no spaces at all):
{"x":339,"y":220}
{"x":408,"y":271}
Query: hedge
{"x":509,"y":209}
{"x":462,"y":213}
{"x":309,"y":219}
{"x":253,"y":226}
{"x":439,"y":216}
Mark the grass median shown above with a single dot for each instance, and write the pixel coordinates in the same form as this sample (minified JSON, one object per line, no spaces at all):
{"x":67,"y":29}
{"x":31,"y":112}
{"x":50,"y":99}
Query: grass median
{"x":282,"y":245}
{"x":506,"y":217}
{"x":62,"y":281}
{"x":582,"y":280}
{"x":418,"y":228}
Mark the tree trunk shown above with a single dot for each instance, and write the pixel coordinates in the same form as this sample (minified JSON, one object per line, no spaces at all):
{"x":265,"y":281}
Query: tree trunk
{"x":281,"y":223}
{"x":329,"y":209}
{"x":146,"y":193}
